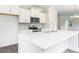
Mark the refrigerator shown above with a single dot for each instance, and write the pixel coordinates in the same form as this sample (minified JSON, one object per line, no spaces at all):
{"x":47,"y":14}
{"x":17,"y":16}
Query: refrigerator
{"x":8,"y":30}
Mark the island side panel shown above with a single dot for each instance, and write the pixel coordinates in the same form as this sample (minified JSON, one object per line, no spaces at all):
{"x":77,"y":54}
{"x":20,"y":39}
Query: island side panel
{"x":58,"y":48}
{"x":27,"y":47}
{"x":73,"y":43}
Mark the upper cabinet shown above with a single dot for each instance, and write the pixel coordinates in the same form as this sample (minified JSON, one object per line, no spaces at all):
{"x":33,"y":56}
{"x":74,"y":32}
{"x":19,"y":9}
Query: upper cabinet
{"x":35,"y":12}
{"x":42,"y":17}
{"x":14,"y":9}
{"x":24,"y":16}
{"x":9,"y":9}
{"x":4,"y":8}
{"x":28,"y":15}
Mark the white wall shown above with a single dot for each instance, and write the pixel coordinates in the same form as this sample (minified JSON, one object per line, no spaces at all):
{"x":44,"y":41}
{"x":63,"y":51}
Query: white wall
{"x":64,"y":22}
{"x":8,"y":30}
{"x":75,"y":24}
{"x":59,"y":22}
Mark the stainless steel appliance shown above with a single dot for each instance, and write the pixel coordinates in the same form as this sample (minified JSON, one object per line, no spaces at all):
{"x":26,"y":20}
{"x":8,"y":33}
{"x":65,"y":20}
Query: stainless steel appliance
{"x":34,"y":28}
{"x":34,"y":20}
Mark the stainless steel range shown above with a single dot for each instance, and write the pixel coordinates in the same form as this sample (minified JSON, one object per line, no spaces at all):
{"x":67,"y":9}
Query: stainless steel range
{"x":34,"y":28}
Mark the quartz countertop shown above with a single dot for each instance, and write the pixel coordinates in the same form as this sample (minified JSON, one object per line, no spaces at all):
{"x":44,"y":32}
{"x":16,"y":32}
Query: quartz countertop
{"x":46,"y":40}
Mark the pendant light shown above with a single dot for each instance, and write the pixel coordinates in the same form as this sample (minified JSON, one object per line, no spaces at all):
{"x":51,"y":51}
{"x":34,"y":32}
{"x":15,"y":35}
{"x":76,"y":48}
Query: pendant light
{"x":76,"y":15}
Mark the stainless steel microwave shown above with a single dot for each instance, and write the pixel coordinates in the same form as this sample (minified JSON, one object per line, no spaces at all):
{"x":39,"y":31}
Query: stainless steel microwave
{"x":34,"y":20}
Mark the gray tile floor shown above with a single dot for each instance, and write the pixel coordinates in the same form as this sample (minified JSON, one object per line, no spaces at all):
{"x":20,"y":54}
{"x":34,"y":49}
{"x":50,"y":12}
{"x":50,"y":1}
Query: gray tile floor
{"x":14,"y":49}
{"x":9,"y":49}
{"x":70,"y":51}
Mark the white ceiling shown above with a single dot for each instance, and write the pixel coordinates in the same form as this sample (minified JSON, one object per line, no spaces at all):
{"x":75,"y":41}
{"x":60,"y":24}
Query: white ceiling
{"x":67,"y":10}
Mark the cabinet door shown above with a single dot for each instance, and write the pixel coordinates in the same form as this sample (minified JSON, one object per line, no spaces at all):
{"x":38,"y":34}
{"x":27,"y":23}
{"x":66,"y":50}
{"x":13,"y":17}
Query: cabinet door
{"x":4,"y":8}
{"x":14,"y":9}
{"x":22,"y":17}
{"x":27,"y":16}
{"x":42,"y":18}
{"x":34,"y":12}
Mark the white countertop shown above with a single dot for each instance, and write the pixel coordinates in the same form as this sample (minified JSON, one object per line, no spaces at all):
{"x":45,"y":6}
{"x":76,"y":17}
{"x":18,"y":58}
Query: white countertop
{"x":47,"y":40}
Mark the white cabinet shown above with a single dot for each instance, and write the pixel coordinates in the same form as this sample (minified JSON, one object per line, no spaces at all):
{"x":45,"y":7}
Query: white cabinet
{"x":27,"y":16}
{"x":9,"y":9}
{"x":4,"y":8}
{"x":14,"y":9}
{"x":24,"y":16}
{"x":35,"y":12}
{"x":42,"y":17}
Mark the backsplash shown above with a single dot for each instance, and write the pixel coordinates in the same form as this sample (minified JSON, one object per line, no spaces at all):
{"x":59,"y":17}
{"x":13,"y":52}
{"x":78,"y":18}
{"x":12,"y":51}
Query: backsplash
{"x":24,"y":26}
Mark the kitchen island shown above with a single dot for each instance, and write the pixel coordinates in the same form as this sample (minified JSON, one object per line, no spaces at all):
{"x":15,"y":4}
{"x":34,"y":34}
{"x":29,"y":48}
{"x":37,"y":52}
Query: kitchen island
{"x":47,"y":41}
